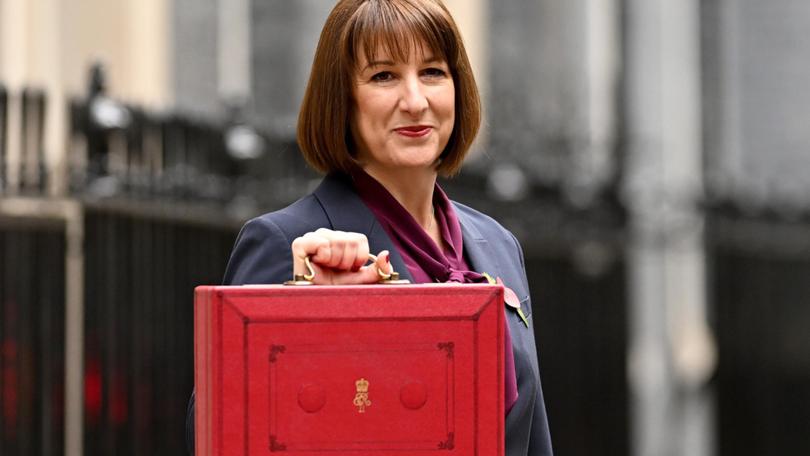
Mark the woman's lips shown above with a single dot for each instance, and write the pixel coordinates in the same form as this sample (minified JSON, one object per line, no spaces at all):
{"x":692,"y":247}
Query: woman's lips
{"x":416,"y":131}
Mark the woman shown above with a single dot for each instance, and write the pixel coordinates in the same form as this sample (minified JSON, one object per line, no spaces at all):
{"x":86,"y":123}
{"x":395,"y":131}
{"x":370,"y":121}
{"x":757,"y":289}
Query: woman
{"x":390,"y":105}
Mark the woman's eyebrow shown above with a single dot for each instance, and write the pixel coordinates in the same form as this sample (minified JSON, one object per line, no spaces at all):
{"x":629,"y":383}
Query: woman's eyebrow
{"x":377,"y":63}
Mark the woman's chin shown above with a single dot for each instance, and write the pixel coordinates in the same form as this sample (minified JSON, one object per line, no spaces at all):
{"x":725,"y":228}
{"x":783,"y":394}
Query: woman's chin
{"x":415,"y":165}
{"x":408,"y":159}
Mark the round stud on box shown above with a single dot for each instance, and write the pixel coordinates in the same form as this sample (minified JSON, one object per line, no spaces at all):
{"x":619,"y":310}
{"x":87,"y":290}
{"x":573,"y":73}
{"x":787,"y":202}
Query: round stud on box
{"x":413,"y":395}
{"x":311,"y":397}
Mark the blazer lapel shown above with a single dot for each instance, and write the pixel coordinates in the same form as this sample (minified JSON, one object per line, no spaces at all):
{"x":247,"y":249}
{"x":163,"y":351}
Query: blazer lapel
{"x":347,"y":212}
{"x":479,"y":252}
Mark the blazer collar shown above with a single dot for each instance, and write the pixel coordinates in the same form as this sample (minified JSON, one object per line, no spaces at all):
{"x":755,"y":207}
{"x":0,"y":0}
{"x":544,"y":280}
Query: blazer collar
{"x":347,"y":212}
{"x":480,"y":254}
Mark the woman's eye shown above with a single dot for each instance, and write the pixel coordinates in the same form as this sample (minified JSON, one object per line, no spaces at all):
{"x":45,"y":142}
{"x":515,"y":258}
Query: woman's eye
{"x":434,"y":72}
{"x":383,"y":76}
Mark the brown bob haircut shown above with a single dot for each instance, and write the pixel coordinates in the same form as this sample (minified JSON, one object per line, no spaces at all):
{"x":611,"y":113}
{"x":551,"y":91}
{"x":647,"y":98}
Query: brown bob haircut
{"x":398,"y":26}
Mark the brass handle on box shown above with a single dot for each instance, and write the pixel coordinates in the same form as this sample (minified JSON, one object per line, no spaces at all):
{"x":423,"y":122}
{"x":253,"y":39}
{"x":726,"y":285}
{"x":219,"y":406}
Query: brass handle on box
{"x":386,"y":278}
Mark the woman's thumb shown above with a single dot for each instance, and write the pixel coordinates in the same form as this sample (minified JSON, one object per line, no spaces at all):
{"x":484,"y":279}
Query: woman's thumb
{"x":378,"y":270}
{"x":383,"y":264}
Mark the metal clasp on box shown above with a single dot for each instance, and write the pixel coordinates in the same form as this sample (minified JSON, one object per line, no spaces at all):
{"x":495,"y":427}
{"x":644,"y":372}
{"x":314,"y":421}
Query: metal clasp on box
{"x":391,"y":278}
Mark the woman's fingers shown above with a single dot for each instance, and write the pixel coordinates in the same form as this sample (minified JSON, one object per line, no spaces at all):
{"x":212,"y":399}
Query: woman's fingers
{"x":383,"y":263}
{"x":355,"y":252}
{"x":365,"y":275}
{"x":362,"y":253}
{"x":309,"y":245}
{"x":335,"y":250}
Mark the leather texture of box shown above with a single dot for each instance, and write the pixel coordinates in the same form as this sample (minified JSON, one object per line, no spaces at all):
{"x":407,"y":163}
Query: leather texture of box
{"x":355,"y":370}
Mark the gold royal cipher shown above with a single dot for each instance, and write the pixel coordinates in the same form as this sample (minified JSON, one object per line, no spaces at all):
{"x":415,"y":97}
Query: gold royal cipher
{"x":361,"y":398}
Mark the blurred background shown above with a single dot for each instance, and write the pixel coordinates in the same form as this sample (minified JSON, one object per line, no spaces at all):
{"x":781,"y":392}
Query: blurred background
{"x":652,"y":157}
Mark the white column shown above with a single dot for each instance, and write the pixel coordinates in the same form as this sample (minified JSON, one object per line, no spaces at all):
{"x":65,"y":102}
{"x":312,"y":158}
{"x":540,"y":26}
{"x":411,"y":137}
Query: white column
{"x":48,"y":74}
{"x":671,"y":352}
{"x":147,"y":53}
{"x":14,"y":14}
{"x":13,"y":24}
{"x":473,"y":23}
{"x":233,"y":40}
{"x":590,"y":78}
{"x":471,"y":19}
{"x":602,"y":54}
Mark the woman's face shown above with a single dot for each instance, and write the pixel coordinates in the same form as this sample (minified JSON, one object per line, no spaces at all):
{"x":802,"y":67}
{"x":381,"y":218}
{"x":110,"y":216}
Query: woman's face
{"x":403,"y":111}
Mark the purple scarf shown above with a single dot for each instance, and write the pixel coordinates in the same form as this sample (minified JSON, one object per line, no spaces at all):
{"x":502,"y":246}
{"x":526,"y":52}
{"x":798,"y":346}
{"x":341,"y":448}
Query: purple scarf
{"x":426,"y":261}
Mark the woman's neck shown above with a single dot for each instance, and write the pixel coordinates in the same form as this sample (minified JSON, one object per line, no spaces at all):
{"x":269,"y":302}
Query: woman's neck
{"x":413,"y":189}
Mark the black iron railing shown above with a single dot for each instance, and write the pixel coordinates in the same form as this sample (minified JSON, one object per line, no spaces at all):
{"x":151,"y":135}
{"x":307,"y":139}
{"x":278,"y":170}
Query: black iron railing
{"x":760,"y":264}
{"x":32,"y":357}
{"x":29,"y":107}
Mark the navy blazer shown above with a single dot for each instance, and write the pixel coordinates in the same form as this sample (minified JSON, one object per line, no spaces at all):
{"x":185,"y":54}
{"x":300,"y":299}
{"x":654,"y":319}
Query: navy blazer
{"x":262,"y":255}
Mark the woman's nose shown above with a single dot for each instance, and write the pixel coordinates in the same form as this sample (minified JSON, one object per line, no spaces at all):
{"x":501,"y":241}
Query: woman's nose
{"x":413,"y":98}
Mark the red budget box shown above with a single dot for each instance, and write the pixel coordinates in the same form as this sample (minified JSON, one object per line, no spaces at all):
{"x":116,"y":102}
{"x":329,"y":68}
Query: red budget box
{"x":356,"y":370}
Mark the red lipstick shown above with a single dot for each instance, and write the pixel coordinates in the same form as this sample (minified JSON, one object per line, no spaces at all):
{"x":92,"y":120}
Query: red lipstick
{"x":414,"y":131}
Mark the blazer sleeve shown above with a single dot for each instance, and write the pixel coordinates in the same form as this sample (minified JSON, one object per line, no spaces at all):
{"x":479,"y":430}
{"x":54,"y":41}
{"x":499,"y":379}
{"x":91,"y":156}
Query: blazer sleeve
{"x":261,"y":254}
{"x":540,"y":436}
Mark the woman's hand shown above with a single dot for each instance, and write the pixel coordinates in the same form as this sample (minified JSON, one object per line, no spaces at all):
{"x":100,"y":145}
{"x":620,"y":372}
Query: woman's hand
{"x":338,"y":258}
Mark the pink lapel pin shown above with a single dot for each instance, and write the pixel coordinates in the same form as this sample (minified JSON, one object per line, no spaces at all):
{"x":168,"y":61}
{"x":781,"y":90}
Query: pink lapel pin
{"x":512,"y":301}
